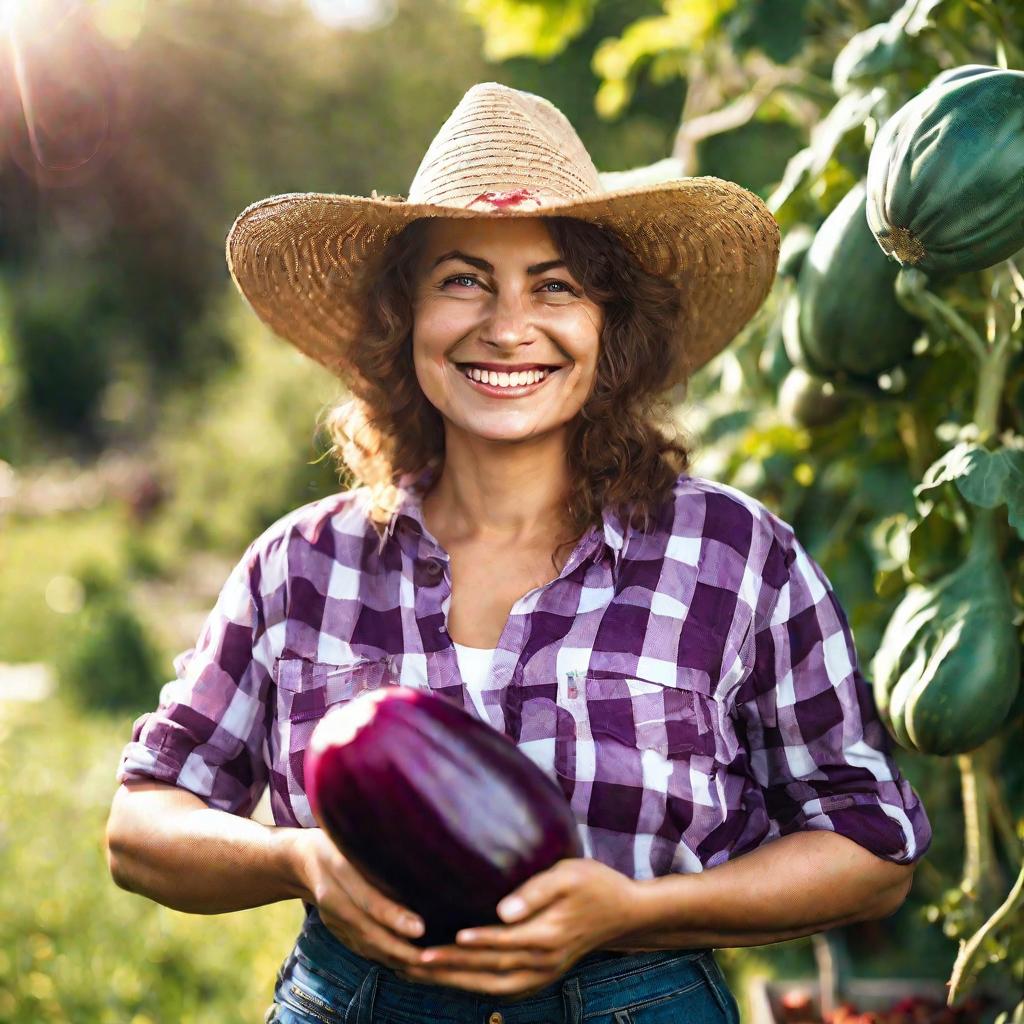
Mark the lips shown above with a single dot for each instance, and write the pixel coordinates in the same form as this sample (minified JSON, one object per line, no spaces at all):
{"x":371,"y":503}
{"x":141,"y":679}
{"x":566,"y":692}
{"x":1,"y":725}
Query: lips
{"x":501,"y":368}
{"x":508,"y":391}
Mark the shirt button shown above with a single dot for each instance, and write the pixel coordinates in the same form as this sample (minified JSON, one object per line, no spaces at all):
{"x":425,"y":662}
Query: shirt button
{"x":495,"y":1018}
{"x":433,"y":568}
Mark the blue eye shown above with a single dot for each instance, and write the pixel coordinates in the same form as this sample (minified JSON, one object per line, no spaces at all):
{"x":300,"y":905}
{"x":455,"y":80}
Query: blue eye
{"x":469,"y":277}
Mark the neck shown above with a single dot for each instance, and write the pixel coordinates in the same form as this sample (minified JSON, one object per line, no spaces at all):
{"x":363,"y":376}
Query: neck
{"x":500,"y":494}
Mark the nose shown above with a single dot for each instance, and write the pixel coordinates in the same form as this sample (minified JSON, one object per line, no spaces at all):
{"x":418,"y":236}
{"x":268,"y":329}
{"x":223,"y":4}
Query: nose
{"x":510,"y":321}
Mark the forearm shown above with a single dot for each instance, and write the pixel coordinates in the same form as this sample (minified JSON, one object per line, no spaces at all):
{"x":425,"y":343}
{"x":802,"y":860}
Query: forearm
{"x":168,"y":845}
{"x":800,"y":884}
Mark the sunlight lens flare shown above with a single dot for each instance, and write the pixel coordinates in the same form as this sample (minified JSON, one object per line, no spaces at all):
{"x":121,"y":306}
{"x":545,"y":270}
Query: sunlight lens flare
{"x":10,"y":12}
{"x":65,"y":93}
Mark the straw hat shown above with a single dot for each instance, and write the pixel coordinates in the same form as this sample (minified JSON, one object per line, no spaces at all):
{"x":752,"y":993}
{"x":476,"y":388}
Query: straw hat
{"x":506,"y":153}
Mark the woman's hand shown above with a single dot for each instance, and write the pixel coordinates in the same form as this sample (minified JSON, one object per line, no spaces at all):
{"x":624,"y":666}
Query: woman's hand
{"x":572,"y":908}
{"x":361,"y":916}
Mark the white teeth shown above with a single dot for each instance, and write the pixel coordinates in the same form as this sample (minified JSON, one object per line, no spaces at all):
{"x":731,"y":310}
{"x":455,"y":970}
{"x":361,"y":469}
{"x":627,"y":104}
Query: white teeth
{"x":505,"y":380}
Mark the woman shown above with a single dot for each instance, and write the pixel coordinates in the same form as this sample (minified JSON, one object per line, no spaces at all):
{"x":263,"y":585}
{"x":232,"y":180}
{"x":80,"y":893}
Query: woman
{"x":533,"y":548}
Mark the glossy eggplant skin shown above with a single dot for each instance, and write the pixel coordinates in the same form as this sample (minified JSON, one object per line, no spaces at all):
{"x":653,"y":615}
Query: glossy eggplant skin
{"x":434,"y":807}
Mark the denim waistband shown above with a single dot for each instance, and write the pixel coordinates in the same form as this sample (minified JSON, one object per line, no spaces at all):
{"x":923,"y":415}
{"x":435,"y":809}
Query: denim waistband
{"x":374,"y":982}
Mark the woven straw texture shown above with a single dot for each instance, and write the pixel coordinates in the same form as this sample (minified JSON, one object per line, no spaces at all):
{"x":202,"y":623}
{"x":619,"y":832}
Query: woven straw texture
{"x":506,"y":153}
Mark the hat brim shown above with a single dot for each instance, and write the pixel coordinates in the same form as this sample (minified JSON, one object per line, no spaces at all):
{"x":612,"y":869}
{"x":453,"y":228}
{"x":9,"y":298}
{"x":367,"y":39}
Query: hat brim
{"x":294,"y":257}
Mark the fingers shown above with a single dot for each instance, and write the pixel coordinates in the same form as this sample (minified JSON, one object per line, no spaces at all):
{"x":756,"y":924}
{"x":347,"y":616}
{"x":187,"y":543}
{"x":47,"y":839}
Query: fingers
{"x":367,"y":938}
{"x":386,"y":947}
{"x":441,"y":958}
{"x":542,"y":889}
{"x":372,"y":902}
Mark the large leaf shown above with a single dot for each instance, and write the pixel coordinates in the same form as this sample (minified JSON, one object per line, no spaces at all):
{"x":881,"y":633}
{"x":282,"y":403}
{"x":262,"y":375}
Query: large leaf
{"x":984,"y":478}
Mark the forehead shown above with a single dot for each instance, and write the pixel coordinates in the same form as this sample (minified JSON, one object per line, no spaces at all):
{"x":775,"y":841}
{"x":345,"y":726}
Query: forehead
{"x":480,"y":236}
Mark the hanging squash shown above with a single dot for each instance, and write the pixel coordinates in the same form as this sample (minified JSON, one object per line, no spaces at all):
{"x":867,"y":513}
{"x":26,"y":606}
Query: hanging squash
{"x":945,"y":188}
{"x":948,"y":668}
{"x":809,"y":401}
{"x":851,"y":325}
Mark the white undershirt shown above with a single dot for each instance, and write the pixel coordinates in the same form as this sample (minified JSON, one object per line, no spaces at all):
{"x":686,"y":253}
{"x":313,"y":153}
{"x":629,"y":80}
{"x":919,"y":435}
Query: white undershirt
{"x":475,"y":667}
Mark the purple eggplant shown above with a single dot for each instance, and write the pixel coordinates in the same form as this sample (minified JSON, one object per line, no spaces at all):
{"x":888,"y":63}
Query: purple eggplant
{"x":434,"y":807}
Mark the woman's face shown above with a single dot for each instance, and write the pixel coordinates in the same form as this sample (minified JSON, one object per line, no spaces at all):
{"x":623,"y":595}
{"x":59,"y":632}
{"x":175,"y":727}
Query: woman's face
{"x":487,"y":291}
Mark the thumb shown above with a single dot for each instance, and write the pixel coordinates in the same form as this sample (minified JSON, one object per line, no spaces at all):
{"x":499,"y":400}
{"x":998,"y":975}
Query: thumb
{"x":534,"y":894}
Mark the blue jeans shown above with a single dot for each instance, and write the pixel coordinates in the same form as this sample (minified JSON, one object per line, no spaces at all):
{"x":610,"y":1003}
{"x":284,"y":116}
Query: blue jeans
{"x":324,"y":982}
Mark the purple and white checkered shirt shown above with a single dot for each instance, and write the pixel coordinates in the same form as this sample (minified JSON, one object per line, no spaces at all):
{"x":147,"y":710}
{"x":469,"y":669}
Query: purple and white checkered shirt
{"x":694,"y":689}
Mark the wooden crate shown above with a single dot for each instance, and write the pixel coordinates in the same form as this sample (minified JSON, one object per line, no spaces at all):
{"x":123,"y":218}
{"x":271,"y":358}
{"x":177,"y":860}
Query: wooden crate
{"x":866,"y":993}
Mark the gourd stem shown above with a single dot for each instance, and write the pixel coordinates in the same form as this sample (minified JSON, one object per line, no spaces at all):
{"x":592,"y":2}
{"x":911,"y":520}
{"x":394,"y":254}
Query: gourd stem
{"x":971,"y":950}
{"x":913,"y":294}
{"x":995,"y":363}
{"x":979,"y":855}
{"x":978,"y":782}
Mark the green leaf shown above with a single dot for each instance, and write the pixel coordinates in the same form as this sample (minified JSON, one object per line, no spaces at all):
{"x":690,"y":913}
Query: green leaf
{"x":984,"y":478}
{"x":528,"y":28}
{"x":949,"y":467}
{"x":997,"y":477}
{"x":660,"y":42}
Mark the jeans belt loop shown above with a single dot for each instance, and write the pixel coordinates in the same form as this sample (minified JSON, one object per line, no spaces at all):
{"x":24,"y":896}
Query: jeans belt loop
{"x":360,"y":1010}
{"x":572,"y":1000}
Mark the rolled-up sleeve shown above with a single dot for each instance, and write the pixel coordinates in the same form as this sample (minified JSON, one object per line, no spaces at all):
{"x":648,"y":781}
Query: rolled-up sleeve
{"x":814,"y":739}
{"x":208,"y":732}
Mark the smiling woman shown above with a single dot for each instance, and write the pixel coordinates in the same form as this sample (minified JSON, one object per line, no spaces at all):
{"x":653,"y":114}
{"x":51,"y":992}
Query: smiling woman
{"x":555,"y":292}
{"x":661,"y":645}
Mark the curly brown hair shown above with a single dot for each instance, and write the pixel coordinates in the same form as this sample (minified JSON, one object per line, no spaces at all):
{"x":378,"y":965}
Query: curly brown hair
{"x":620,"y":448}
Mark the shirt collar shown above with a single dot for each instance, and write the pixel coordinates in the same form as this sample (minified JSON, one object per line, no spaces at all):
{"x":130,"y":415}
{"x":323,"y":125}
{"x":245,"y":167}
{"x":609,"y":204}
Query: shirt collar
{"x":412,"y":485}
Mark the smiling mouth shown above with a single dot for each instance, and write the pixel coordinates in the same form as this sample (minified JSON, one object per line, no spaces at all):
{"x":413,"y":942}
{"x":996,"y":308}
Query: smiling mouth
{"x":500,"y":383}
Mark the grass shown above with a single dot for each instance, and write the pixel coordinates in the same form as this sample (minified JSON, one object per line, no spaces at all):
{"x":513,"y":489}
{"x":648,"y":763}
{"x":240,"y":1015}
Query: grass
{"x":32,"y":553}
{"x":74,"y":947}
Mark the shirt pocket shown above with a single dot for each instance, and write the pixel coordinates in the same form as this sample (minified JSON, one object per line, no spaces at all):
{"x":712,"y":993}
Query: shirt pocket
{"x":306,"y":691}
{"x":677,"y":721}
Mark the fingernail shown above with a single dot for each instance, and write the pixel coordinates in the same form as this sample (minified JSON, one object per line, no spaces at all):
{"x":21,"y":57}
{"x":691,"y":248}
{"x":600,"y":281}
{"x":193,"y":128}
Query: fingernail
{"x":413,"y":926}
{"x":511,"y":908}
{"x":425,"y":958}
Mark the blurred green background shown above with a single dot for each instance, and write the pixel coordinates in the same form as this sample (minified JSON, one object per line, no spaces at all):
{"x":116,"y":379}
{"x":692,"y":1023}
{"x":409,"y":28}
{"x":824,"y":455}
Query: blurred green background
{"x":150,"y":427}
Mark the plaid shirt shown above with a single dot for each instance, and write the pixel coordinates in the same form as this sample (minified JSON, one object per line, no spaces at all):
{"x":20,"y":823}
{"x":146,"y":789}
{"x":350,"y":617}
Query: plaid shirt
{"x":694,"y":689}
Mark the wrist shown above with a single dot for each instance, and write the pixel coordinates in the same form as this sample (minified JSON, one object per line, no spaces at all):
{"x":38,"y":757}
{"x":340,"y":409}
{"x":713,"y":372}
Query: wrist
{"x":292,"y":861}
{"x":658,"y":903}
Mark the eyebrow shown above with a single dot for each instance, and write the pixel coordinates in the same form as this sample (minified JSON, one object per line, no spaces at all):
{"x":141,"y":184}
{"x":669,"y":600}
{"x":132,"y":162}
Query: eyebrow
{"x":475,"y":261}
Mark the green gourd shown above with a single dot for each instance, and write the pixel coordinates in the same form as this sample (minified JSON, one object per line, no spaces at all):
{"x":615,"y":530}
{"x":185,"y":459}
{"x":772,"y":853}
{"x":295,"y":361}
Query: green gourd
{"x":948,"y":668}
{"x":945,"y":181}
{"x":851,"y":325}
{"x":957,"y":73}
{"x":809,"y":401}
